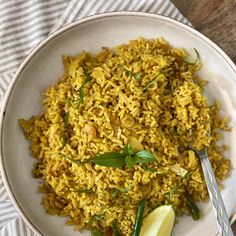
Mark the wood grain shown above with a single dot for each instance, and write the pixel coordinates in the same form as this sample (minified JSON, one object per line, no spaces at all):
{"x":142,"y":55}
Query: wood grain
{"x":217,"y":20}
{"x":214,"y":18}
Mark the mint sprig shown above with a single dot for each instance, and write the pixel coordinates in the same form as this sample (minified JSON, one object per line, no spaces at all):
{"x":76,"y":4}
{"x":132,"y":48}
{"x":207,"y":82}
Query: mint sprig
{"x":126,"y":157}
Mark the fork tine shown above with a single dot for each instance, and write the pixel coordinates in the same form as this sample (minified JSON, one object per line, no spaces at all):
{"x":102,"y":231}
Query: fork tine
{"x":202,"y":153}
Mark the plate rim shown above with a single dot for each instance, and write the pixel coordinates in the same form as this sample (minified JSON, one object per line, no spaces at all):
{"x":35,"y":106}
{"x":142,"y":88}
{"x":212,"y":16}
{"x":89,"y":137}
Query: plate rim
{"x":55,"y":34}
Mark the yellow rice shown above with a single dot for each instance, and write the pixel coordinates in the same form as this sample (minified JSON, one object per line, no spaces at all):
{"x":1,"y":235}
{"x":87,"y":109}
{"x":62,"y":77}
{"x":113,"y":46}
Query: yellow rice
{"x":164,"y":119}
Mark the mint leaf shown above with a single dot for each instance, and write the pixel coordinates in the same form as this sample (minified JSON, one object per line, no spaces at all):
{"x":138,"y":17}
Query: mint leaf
{"x":149,"y":169}
{"x":110,"y":159}
{"x":144,"y":156}
{"x":130,"y":161}
{"x":128,"y":149}
{"x":128,"y":157}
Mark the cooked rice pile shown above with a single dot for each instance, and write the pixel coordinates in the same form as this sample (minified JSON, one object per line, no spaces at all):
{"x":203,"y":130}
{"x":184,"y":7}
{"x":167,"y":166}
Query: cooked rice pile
{"x":145,"y":94}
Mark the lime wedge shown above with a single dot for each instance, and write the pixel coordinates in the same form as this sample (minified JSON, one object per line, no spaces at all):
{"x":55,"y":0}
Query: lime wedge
{"x":159,"y":222}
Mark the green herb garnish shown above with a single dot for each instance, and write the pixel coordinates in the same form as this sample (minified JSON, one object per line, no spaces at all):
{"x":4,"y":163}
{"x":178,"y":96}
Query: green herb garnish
{"x":128,"y":149}
{"x":87,"y":79}
{"x":130,"y":161}
{"x":128,"y":157}
{"x":146,"y":168}
{"x":116,"y":191}
{"x":81,"y":94}
{"x":172,"y":192}
{"x":137,"y":76}
{"x":110,"y":159}
{"x":96,"y":218}
{"x":144,"y":156}
{"x":197,"y":59}
{"x":139,"y":218}
{"x":115,"y":230}
{"x":71,"y":102}
{"x":149,"y":84}
{"x":187,"y":175}
{"x":97,"y":233}
{"x":72,"y":160}
{"x":125,"y":190}
{"x":157,"y":163}
{"x":82,"y":190}
{"x":194,"y":211}
{"x":79,"y":101}
{"x":65,"y":133}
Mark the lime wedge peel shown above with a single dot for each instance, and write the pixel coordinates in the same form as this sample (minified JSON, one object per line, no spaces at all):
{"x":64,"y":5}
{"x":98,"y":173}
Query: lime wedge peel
{"x":159,"y":222}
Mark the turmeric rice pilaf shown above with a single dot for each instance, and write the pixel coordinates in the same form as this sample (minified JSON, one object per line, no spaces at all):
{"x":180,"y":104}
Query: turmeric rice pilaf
{"x":117,"y":128}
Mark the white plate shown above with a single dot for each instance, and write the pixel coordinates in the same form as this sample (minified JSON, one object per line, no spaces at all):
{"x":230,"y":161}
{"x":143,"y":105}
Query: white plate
{"x":43,"y":67}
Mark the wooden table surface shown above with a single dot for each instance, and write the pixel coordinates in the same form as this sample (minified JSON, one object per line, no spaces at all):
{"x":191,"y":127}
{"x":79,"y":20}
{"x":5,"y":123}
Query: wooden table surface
{"x":217,"y":20}
{"x":214,"y":18}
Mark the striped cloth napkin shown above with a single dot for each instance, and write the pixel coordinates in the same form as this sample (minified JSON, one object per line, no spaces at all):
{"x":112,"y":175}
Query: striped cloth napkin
{"x":23,"y":25}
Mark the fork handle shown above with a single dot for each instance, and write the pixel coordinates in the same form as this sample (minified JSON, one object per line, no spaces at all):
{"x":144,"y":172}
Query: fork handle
{"x":215,"y":196}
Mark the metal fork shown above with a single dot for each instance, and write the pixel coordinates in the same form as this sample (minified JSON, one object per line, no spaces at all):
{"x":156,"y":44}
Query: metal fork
{"x":214,"y":193}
